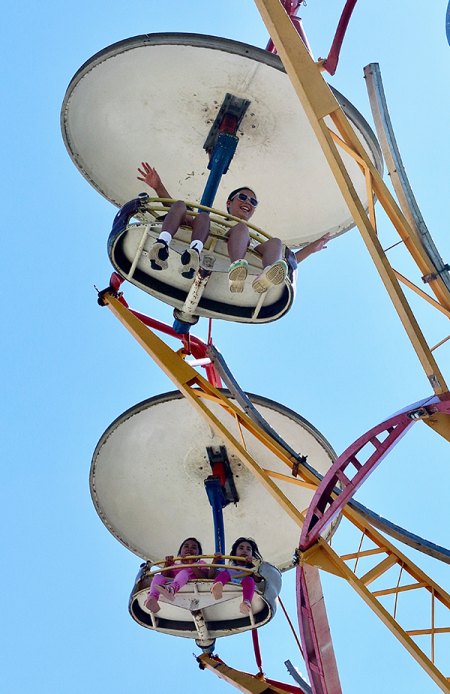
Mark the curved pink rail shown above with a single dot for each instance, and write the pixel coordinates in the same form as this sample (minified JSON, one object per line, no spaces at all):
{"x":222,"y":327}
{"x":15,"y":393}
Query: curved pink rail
{"x":350,"y":471}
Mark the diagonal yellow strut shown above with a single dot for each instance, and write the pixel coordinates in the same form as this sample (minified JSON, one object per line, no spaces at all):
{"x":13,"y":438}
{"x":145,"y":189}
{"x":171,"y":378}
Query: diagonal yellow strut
{"x":319,"y":103}
{"x":251,"y":684}
{"x":197,"y":389}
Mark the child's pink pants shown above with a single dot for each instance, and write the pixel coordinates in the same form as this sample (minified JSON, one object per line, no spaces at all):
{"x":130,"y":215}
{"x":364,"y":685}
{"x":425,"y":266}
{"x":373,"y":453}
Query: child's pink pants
{"x":248,"y":583}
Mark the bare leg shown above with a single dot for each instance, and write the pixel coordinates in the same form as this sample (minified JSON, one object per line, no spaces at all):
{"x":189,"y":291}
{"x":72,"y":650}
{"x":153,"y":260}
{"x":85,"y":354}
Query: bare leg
{"x":190,"y":259}
{"x":238,"y":241}
{"x":175,"y":217}
{"x":200,"y":227}
{"x":270,"y":251}
{"x":222,"y":578}
{"x":159,"y":252}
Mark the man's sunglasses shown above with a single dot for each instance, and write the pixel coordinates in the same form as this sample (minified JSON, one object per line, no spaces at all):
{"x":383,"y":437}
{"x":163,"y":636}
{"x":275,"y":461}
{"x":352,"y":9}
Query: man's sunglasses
{"x":244,"y":197}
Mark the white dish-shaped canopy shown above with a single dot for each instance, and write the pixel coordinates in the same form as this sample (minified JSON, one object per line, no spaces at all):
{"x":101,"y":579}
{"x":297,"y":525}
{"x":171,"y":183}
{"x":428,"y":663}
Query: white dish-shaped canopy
{"x":148,"y":472}
{"x":155,"y":97}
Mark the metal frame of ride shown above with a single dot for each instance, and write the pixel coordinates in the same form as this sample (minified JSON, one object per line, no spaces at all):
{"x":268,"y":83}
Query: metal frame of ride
{"x":351,"y":468}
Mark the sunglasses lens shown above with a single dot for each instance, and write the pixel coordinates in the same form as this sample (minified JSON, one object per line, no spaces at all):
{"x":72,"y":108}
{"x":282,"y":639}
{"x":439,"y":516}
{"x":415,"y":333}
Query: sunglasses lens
{"x":244,"y":197}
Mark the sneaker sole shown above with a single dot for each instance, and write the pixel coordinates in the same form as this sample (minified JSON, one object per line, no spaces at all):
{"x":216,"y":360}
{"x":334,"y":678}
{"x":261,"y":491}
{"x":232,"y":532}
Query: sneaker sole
{"x":236,"y":278}
{"x":156,"y":261}
{"x":158,"y":264}
{"x":276,"y":274}
{"x":236,"y":287}
{"x":273,"y":277}
{"x":188,"y":269}
{"x":238,"y":274}
{"x":167,"y":594}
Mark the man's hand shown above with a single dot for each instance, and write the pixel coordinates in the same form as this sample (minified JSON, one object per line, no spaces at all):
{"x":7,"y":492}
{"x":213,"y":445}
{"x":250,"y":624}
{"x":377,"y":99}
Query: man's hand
{"x":311,"y":248}
{"x":320,"y":243}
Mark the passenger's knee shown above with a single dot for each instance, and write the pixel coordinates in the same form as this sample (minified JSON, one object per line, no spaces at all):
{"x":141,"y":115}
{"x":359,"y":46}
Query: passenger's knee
{"x":274,"y":245}
{"x":247,"y":580}
{"x":239,"y":231}
{"x":179,"y":206}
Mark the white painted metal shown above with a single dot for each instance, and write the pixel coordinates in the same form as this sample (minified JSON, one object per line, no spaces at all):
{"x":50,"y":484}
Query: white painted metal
{"x":129,"y":255}
{"x":155,"y":97}
{"x":194,"y":613}
{"x":148,"y":471}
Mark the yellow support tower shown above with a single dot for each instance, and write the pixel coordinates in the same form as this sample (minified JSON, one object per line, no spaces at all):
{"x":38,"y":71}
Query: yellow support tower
{"x":321,"y":106}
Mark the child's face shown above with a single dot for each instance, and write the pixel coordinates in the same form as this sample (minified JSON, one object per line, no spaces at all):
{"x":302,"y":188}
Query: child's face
{"x":189,"y":548}
{"x":243,"y":209}
{"x":244,"y":549}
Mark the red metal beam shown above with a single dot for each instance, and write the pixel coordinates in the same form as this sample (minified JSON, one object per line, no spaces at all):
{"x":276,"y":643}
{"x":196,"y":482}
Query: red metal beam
{"x":192,"y":345}
{"x":291,"y":7}
{"x":315,"y":632}
{"x":330,"y":63}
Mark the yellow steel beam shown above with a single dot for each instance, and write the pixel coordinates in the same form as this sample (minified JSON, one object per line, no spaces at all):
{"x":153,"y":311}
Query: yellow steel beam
{"x":291,"y":480}
{"x":251,"y":684}
{"x":404,"y":280}
{"x":323,"y":556}
{"x":319,"y":103}
{"x":196,"y":388}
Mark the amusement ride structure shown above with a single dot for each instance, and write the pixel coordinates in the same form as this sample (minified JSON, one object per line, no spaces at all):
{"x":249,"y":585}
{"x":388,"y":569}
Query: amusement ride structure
{"x":235,"y":452}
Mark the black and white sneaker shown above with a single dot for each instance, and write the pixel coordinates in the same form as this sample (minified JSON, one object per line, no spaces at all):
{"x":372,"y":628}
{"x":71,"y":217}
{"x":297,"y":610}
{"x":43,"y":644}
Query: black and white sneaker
{"x":158,"y":255}
{"x":190,"y":261}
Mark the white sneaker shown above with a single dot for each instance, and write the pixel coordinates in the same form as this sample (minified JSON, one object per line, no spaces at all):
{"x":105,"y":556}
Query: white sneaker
{"x":271,"y":276}
{"x":237,"y":274}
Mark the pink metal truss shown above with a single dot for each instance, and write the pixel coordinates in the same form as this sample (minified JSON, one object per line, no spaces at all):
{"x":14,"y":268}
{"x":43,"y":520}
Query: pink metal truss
{"x":330,"y":63}
{"x":315,"y":632}
{"x":349,"y":471}
{"x":291,"y":7}
{"x":312,"y":617}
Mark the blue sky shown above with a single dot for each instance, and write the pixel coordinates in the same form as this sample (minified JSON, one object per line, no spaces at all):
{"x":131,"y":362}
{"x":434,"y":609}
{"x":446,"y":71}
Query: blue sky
{"x":340,"y":357}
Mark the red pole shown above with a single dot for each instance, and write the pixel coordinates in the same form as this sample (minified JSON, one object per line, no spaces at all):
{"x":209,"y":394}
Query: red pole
{"x":330,"y":63}
{"x":291,"y":7}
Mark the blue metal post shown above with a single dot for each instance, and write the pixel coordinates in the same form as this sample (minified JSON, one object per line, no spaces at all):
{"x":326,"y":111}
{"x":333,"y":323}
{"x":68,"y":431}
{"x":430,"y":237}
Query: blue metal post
{"x":217,"y":500}
{"x":219,"y":162}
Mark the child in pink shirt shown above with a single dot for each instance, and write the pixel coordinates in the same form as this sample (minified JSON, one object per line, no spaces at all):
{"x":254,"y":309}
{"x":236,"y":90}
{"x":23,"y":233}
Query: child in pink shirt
{"x":190,"y":547}
{"x":246,"y":548}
